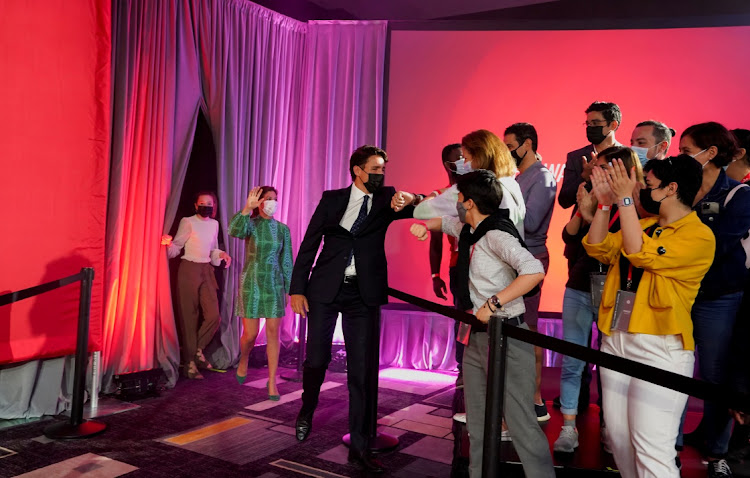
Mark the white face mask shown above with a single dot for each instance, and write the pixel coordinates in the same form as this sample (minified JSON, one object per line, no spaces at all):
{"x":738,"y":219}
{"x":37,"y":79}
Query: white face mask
{"x":269,"y":207}
{"x":462,"y":166}
{"x":695,"y":156}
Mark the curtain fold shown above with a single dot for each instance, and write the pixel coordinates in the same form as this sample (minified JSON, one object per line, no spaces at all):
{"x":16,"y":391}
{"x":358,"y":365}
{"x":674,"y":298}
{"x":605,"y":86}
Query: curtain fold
{"x":139,"y":331}
{"x":287,"y":102}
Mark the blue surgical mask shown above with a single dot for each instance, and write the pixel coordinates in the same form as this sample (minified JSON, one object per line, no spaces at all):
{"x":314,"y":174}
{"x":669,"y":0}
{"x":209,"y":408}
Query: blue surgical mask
{"x":642,"y":153}
{"x":463,"y":166}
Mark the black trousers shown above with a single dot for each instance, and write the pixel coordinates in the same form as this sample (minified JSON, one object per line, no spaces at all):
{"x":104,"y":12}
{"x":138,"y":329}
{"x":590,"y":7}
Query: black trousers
{"x":360,"y":324}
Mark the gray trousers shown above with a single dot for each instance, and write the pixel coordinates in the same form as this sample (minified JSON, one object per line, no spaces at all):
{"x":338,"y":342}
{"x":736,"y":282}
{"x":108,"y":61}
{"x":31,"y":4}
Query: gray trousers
{"x":520,"y":372}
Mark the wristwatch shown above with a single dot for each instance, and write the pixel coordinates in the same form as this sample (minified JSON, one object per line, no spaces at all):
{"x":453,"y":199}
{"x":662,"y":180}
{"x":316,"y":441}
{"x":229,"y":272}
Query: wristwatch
{"x":626,"y":201}
{"x":495,"y":302}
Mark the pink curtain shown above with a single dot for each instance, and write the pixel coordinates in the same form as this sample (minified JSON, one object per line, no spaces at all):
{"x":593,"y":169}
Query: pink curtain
{"x":286,"y":101}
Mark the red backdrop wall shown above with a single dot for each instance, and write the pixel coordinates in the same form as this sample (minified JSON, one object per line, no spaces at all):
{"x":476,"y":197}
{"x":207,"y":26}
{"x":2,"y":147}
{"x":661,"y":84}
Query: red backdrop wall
{"x":54,"y":138}
{"x":446,"y":84}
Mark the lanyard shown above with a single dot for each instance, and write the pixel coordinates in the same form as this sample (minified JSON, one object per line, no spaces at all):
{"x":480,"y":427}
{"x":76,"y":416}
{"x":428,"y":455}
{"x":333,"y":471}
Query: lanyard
{"x":629,"y":281}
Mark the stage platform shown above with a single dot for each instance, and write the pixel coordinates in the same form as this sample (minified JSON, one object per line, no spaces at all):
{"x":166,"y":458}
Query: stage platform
{"x":217,"y":428}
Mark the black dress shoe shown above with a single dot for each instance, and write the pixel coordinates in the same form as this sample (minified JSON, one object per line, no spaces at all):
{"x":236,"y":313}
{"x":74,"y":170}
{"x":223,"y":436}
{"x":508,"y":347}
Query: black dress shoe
{"x":365,"y":461}
{"x":303,"y":426}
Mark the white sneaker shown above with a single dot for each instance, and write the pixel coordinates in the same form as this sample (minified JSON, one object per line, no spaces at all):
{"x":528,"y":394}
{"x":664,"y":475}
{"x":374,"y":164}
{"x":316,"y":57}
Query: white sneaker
{"x":460,"y":417}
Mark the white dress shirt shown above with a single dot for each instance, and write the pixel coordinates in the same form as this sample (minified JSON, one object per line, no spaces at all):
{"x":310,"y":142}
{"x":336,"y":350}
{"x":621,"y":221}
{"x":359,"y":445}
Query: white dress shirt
{"x":352,"y":211}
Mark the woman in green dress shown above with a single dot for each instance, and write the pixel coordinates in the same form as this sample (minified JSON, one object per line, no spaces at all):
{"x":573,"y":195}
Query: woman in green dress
{"x":264,"y":283}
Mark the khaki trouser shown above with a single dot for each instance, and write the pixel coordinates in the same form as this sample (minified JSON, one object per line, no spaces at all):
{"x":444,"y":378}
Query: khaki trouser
{"x":196,"y":291}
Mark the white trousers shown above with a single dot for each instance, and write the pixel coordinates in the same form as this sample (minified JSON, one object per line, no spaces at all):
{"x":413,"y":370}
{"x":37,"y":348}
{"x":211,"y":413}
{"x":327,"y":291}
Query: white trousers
{"x":642,"y":418}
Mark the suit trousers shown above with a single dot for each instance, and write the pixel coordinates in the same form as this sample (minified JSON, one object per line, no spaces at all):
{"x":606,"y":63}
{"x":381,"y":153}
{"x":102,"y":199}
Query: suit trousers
{"x":520,"y":384}
{"x":196,"y":289}
{"x":360,"y":324}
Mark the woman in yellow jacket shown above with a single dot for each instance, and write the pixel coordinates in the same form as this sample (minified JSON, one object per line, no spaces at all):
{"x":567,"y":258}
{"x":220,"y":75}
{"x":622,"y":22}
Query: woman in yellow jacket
{"x":655,"y":269}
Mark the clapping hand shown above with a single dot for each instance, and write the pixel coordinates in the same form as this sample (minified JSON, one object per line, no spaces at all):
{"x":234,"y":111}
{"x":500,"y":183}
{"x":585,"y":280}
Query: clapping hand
{"x":253,"y":200}
{"x":588,"y":166}
{"x":586,"y":203}
{"x":419,"y":231}
{"x":621,"y":183}
{"x":601,"y":187}
{"x":166,"y":240}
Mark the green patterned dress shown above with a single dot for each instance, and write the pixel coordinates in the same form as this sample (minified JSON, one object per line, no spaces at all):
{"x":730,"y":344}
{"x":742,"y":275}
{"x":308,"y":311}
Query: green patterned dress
{"x":268,"y":266}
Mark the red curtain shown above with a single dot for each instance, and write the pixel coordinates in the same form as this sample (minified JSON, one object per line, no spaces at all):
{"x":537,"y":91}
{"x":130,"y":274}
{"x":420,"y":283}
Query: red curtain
{"x":54,"y":150}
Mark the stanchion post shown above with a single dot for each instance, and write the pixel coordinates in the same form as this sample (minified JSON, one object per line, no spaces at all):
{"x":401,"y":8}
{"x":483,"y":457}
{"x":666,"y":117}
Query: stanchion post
{"x":78,"y":427}
{"x":296,"y":376}
{"x":493,"y":415}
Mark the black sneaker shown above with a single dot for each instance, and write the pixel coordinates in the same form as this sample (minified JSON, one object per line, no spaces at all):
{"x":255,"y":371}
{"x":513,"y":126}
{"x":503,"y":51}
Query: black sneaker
{"x":719,"y":468}
{"x":542,"y":415}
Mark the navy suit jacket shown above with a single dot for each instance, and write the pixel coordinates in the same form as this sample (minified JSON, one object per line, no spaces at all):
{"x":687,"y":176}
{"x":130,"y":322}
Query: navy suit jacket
{"x":323,"y":283}
{"x":572,"y":175}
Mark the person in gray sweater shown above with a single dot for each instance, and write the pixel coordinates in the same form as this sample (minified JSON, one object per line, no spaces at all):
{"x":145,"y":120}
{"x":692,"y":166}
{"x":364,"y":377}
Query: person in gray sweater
{"x":538,"y":187}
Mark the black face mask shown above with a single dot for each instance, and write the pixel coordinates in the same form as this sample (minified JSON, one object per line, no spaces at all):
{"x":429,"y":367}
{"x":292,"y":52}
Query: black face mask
{"x":649,"y":204}
{"x":205,"y":211}
{"x":595,"y":134}
{"x":374,"y":181}
{"x":516,"y":157}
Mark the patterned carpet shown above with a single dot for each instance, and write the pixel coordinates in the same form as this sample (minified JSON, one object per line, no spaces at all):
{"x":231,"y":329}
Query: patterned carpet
{"x":217,"y":428}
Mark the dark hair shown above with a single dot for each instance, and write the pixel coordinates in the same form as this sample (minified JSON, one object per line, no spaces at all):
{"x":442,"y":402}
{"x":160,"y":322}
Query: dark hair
{"x":743,"y":141}
{"x":263,"y":191}
{"x":448,"y":150}
{"x":683,"y":170}
{"x":628,"y":157}
{"x":362,"y":154}
{"x":213,"y":196}
{"x":709,"y":134}
{"x":661,"y":132}
{"x":483,"y":188}
{"x":610,"y":111}
{"x":523,"y":131}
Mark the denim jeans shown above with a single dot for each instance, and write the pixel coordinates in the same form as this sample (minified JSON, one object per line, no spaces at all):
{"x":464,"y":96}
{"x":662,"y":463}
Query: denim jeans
{"x":577,"y":315}
{"x":713,"y":324}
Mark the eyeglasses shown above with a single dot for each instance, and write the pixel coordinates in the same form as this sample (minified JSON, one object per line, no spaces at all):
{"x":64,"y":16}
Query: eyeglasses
{"x":595,"y":123}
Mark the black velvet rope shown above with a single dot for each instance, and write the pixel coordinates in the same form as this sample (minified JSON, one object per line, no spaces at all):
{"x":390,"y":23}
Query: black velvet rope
{"x":11,"y":297}
{"x":721,"y":394}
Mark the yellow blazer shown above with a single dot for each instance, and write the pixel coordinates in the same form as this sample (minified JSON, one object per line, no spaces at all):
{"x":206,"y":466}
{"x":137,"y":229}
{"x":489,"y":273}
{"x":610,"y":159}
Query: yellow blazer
{"x":670,"y":281}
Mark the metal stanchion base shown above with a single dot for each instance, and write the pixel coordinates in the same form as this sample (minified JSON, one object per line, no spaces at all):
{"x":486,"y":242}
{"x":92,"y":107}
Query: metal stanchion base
{"x":67,"y":430}
{"x":106,"y":406}
{"x":380,"y":444}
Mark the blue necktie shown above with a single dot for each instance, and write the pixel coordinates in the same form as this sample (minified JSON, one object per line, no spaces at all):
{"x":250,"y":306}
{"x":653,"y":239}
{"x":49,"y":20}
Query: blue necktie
{"x":357,"y":224}
{"x":362,"y":216}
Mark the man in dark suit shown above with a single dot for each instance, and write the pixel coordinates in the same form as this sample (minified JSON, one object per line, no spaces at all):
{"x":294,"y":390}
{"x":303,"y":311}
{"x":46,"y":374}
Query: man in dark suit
{"x":602,"y":120}
{"x":350,"y":277}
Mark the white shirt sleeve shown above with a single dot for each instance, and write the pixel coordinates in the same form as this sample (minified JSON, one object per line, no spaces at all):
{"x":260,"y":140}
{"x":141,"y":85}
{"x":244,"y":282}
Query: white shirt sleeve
{"x":183,"y":234}
{"x":452,"y":226}
{"x":442,"y":205}
{"x":510,"y":251}
{"x":215,"y":251}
